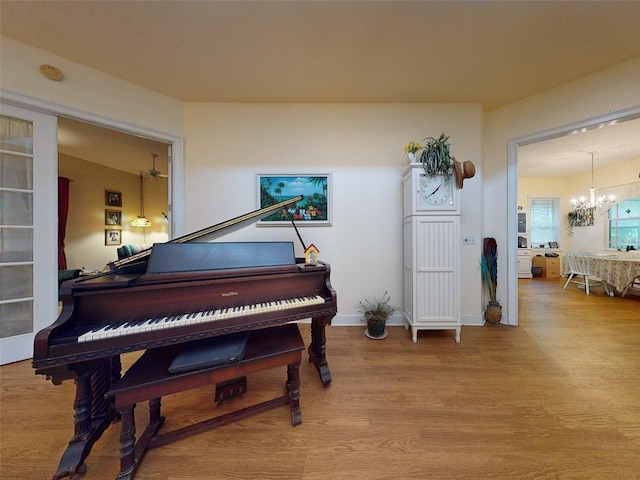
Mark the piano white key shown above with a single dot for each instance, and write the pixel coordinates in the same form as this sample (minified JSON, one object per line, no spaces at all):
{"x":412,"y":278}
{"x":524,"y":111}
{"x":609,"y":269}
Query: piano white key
{"x":194,"y":318}
{"x":174,"y":321}
{"x":136,"y":327}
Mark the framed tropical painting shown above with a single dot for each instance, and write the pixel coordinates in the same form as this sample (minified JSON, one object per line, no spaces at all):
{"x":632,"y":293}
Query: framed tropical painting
{"x":313,"y":209}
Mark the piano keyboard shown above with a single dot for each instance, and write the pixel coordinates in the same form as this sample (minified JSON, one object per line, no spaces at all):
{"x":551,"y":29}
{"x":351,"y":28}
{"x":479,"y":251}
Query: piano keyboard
{"x":162,"y":323}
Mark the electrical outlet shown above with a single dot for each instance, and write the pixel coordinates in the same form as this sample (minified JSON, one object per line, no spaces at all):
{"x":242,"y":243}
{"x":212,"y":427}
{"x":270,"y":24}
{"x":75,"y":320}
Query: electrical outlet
{"x":468,"y":240}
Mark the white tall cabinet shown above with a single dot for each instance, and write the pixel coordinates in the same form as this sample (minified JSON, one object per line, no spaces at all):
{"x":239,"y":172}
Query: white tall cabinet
{"x":432,"y":246}
{"x":524,"y":245}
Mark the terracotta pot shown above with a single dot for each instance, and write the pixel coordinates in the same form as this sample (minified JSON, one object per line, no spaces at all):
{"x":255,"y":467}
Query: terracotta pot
{"x":493,"y":313}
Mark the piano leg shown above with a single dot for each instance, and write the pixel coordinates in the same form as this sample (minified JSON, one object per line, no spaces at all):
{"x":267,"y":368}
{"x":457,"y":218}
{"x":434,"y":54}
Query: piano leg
{"x":293,"y":391}
{"x":318,"y":348}
{"x":92,"y":416}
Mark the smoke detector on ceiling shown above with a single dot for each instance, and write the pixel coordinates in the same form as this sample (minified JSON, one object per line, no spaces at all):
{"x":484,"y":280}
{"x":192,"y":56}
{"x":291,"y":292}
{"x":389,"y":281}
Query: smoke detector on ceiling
{"x":51,"y":72}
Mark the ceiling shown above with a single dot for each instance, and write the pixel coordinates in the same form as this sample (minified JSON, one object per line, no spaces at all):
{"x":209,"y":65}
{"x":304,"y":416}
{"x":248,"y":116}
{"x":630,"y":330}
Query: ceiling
{"x":571,"y":154}
{"x":487,"y":52}
{"x":111,"y":148}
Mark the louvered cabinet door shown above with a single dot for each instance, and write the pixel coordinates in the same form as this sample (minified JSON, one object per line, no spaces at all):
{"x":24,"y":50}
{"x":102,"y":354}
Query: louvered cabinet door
{"x":432,"y":273}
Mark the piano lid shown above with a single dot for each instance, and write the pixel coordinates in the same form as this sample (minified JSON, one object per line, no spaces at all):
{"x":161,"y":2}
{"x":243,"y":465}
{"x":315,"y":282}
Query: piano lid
{"x":212,"y":232}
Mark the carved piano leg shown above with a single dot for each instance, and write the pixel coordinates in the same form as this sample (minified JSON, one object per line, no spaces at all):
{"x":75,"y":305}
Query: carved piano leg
{"x":293,"y":390}
{"x":92,"y":415}
{"x":116,"y":374}
{"x":318,"y":347}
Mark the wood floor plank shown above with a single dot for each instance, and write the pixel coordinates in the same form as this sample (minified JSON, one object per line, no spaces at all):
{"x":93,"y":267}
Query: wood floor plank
{"x":556,"y":397}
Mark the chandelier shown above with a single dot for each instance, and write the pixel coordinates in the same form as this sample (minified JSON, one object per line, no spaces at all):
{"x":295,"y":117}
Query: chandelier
{"x":593,"y":201}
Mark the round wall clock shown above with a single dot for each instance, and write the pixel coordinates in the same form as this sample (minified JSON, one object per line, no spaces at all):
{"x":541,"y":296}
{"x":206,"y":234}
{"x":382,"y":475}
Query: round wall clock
{"x":435,"y":192}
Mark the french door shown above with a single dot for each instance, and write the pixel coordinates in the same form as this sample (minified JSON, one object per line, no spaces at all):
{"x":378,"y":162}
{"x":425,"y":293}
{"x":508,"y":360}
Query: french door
{"x":28,"y":229}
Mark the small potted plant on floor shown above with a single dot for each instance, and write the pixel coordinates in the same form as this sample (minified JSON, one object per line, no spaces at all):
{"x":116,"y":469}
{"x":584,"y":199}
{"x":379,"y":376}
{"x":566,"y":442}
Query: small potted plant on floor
{"x":376,"y":311}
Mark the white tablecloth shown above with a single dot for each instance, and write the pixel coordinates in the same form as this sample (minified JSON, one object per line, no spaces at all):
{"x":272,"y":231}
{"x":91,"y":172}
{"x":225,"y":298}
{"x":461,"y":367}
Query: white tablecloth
{"x":618,"y":271}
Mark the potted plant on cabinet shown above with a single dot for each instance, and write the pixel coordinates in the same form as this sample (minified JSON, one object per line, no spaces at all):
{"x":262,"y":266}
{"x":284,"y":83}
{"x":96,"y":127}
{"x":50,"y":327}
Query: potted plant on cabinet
{"x":435,"y":157}
{"x":412,"y":150}
{"x":489,"y":267}
{"x":376,"y":311}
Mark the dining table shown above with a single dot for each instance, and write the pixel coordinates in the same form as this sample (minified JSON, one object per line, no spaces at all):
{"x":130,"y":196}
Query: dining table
{"x":616,"y":270}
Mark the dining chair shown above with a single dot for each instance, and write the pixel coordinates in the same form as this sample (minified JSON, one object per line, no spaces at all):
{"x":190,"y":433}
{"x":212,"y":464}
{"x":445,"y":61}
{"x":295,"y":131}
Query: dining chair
{"x":580,"y":270}
{"x":634,"y":284}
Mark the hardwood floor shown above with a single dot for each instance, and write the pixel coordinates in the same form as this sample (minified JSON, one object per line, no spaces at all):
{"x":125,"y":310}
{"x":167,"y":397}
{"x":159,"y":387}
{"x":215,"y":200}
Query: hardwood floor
{"x":557,"y":397}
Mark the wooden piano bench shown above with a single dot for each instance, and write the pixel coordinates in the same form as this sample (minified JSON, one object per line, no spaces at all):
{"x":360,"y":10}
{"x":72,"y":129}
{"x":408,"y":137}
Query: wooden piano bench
{"x":148,"y":379}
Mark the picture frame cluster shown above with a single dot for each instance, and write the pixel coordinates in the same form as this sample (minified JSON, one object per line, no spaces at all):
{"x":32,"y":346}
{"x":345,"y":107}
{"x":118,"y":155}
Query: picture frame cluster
{"x":113,"y":218}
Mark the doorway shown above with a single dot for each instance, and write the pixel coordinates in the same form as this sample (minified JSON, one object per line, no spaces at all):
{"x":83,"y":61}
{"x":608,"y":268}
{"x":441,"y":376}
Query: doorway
{"x":134,"y":171}
{"x":27,"y":229}
{"x":512,"y":185}
{"x":45,"y":258}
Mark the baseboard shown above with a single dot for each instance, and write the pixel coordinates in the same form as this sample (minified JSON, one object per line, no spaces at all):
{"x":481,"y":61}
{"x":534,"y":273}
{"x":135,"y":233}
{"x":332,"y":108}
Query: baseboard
{"x":396,"y":320}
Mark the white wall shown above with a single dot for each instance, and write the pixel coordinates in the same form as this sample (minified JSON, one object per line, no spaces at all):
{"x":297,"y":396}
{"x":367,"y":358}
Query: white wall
{"x":86,"y":89}
{"x":362,"y":147}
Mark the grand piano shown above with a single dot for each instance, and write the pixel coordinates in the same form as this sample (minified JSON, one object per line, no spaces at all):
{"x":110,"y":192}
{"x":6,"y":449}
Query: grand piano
{"x":176,"y":292}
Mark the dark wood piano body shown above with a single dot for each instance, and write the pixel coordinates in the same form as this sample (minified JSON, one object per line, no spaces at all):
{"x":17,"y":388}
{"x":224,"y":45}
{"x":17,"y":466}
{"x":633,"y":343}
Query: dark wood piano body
{"x":129,"y":292}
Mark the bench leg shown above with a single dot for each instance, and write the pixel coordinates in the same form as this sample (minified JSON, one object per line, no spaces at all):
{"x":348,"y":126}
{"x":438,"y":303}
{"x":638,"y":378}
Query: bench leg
{"x":154,"y":412}
{"x":293,"y":390}
{"x":127,"y":442}
{"x":131,"y":451}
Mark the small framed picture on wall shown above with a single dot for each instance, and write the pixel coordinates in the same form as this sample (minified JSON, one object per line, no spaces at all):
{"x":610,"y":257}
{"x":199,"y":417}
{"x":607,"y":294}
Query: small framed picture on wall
{"x":113,"y":199}
{"x":112,"y":217}
{"x":112,"y":237}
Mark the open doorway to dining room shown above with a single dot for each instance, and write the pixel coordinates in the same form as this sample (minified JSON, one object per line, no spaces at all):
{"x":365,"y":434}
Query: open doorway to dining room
{"x":557,"y":162}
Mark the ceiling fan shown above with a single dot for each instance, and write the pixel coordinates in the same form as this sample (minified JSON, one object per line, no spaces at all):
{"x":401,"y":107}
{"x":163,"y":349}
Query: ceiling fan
{"x":153,"y":172}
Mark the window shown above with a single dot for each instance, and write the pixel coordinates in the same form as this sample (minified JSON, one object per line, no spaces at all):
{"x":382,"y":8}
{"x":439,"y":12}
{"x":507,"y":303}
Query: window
{"x":624,"y":224}
{"x":544,"y":223}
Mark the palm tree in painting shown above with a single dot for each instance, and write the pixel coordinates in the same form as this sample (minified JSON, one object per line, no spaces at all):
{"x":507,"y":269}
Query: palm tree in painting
{"x":321,"y":182}
{"x":278,"y":190}
{"x":266,"y":198}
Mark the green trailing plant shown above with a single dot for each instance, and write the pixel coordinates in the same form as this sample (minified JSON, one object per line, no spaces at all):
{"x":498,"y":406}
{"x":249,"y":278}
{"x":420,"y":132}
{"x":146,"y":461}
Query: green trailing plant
{"x":435,"y":156}
{"x":489,"y":267}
